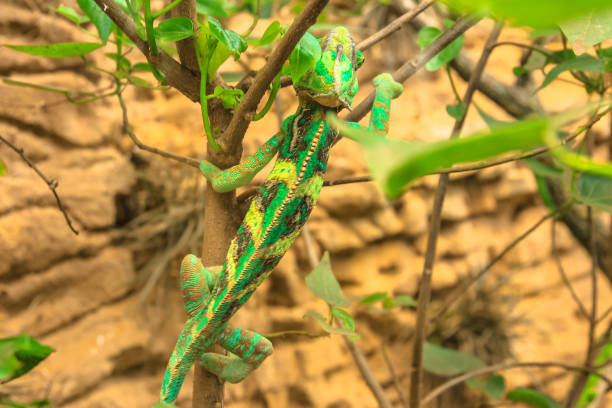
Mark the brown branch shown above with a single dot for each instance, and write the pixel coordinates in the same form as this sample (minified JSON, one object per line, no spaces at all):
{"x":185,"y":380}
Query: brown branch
{"x":394,"y":378}
{"x":173,"y":156}
{"x":241,"y":119}
{"x":186,"y":48}
{"x":393,"y":26}
{"x":52,"y":184}
{"x":177,"y":75}
{"x":358,"y":357}
{"x":434,"y":229}
{"x":505,"y":366}
{"x":412,"y":66}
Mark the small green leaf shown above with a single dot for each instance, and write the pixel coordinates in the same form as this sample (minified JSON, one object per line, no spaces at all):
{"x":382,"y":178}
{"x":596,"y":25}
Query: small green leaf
{"x":2,"y":168}
{"x":446,"y":362}
{"x":142,"y":66}
{"x":322,"y":282}
{"x":347,"y":320}
{"x":229,"y":97}
{"x":457,"y":111}
{"x":71,"y":15}
{"x":20,"y":354}
{"x":210,"y":8}
{"x":373,"y":298}
{"x":388,"y":303}
{"x":595,"y":190}
{"x":270,"y":34}
{"x":139,"y":81}
{"x":39,"y":403}
{"x":494,"y":386}
{"x":330,"y":329}
{"x":405,"y":300}
{"x":532,"y":397}
{"x":304,"y":56}
{"x":102,"y":22}
{"x":428,"y":34}
{"x":518,"y":71}
{"x":174,"y":29}
{"x":58,"y":50}
{"x":589,"y":29}
{"x":584,"y":62}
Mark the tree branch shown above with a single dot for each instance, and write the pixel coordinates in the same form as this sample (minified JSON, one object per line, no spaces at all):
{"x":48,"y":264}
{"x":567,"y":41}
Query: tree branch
{"x":52,"y":184}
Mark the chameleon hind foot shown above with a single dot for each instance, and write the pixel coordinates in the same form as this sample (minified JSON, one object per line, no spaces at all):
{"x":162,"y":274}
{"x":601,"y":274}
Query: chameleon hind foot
{"x":247,"y":351}
{"x":197,"y":281}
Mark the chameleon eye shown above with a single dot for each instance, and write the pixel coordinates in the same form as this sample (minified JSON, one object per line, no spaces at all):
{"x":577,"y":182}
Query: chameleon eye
{"x":359,"y":59}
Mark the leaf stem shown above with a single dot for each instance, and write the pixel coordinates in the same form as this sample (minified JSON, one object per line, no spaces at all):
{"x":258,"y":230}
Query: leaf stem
{"x":149,"y":28}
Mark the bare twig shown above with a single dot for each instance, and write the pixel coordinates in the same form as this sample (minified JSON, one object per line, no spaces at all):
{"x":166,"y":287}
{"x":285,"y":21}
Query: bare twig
{"x":128,"y":130}
{"x":434,"y":228}
{"x":52,"y":184}
{"x":396,"y":383}
{"x":564,"y":277}
{"x":393,"y":26}
{"x":464,"y":288}
{"x":240,"y":121}
{"x":505,"y":366}
{"x":358,"y":357}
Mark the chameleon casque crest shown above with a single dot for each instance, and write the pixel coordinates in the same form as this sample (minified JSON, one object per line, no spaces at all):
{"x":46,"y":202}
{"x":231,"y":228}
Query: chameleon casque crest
{"x":274,"y":219}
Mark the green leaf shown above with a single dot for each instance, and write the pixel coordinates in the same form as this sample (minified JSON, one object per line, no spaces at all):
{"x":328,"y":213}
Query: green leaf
{"x":58,"y":50}
{"x":20,"y":354}
{"x":174,"y":29}
{"x":347,"y":320}
{"x":210,"y":8}
{"x":595,"y":190}
{"x":71,"y":15}
{"x":142,"y":66}
{"x":139,"y":81}
{"x":395,"y":163}
{"x":304,"y":56}
{"x":532,"y":397}
{"x":404,"y":300}
{"x":584,"y":62}
{"x":322,"y":282}
{"x":456,"y":111}
{"x":589,"y":29}
{"x":446,"y":362}
{"x":2,"y":168}
{"x":518,"y":71}
{"x":536,"y":14}
{"x":428,"y":34}
{"x":494,"y":386}
{"x":39,"y":403}
{"x":270,"y":34}
{"x":330,"y":329}
{"x":102,"y":22}
{"x":373,"y":298}
{"x":229,"y":97}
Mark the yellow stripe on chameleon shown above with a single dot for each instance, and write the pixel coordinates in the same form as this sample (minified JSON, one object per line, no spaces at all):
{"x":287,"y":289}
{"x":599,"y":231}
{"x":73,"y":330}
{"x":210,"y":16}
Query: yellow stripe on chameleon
{"x":284,"y":171}
{"x":281,"y":246}
{"x":311,"y":188}
{"x":254,"y":220}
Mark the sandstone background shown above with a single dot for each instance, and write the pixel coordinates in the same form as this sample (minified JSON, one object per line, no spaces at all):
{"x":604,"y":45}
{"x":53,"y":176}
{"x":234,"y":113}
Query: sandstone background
{"x":107,"y":300}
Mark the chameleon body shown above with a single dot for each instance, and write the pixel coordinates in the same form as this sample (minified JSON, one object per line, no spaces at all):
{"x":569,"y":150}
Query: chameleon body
{"x":274,"y":219}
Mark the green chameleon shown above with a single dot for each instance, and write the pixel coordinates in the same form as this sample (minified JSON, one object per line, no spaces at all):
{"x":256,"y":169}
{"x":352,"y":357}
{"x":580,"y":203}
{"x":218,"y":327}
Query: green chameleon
{"x":275,"y":217}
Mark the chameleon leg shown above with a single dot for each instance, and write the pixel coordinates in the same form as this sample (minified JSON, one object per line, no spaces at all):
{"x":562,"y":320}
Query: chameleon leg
{"x":197,"y":282}
{"x":240,"y":174}
{"x":247,"y":351}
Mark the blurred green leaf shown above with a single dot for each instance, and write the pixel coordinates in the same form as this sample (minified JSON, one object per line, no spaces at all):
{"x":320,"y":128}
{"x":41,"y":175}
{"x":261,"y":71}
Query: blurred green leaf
{"x":2,"y":168}
{"x":102,"y":22}
{"x":322,"y":282}
{"x":347,"y":320}
{"x":584,"y":62}
{"x":142,"y":66}
{"x":589,"y":29}
{"x":139,"y":82}
{"x":20,"y":354}
{"x":428,"y":34}
{"x":71,"y":15}
{"x":174,"y":29}
{"x":532,"y":397}
{"x":210,"y":8}
{"x":536,"y":14}
{"x":122,"y":62}
{"x":39,"y":403}
{"x":596,"y":191}
{"x":405,"y":300}
{"x":303,"y":57}
{"x":373,"y":298}
{"x":270,"y":34}
{"x":330,"y":329}
{"x":446,"y":362}
{"x":58,"y":50}
{"x":518,"y":71}
{"x":456,"y":111}
{"x":494,"y":386}
{"x":162,"y":404}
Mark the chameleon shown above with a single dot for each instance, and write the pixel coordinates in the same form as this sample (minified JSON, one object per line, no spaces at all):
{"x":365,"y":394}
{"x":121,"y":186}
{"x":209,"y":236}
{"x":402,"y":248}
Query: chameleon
{"x":276,"y":215}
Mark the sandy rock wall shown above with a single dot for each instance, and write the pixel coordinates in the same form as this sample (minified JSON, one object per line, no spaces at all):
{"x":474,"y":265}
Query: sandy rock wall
{"x":81,"y":294}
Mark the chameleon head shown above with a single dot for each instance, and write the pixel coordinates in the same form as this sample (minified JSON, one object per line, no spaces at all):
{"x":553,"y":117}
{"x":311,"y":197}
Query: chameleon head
{"x":332,"y":82}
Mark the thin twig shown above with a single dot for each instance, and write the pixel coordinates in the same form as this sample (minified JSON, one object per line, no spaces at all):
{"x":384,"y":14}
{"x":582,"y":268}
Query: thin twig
{"x":358,"y":357}
{"x":505,"y":366}
{"x":434,"y":229}
{"x":128,"y":130}
{"x":393,"y":26}
{"x":464,"y":288}
{"x":564,"y":277}
{"x":396,"y":383}
{"x":52,"y":184}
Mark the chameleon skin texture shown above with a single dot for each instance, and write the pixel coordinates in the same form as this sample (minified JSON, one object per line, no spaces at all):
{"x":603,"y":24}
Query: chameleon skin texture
{"x":273,"y":221}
